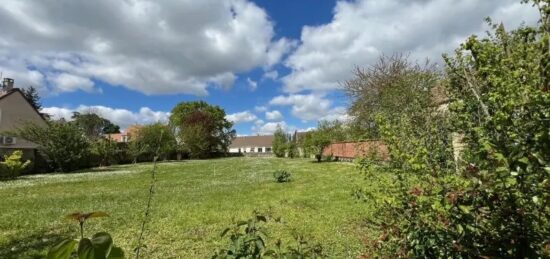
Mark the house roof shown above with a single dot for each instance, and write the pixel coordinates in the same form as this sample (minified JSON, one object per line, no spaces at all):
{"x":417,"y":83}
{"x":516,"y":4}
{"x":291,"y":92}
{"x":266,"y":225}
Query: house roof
{"x":252,"y":141}
{"x":4,"y":94}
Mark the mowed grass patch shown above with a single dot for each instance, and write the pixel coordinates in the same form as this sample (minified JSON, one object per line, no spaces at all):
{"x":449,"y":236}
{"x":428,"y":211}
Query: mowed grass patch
{"x":193,"y":202}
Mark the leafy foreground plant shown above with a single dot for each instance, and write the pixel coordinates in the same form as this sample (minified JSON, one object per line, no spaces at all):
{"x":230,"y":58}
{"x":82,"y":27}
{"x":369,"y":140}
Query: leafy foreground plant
{"x":12,"y":166}
{"x":282,"y":176}
{"x":248,"y":240}
{"x":100,"y":245}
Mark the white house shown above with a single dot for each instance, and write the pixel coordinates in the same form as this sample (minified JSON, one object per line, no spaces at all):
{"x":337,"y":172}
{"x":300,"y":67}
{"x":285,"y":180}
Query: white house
{"x":252,"y":144}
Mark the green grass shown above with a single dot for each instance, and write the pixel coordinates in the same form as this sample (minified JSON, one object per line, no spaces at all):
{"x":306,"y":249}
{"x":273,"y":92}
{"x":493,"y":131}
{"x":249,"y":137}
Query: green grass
{"x":194,"y":201}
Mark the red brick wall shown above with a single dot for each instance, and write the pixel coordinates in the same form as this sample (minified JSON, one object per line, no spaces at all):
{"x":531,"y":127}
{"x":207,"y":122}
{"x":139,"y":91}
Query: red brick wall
{"x":357,"y":149}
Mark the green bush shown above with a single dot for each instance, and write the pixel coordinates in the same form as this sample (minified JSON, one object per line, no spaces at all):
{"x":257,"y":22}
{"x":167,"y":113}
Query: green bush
{"x":282,"y":176}
{"x":64,"y":145}
{"x":12,"y":166}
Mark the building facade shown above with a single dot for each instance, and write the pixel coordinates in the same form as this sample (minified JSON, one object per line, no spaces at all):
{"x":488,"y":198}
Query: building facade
{"x":16,"y":112}
{"x":252,"y":144}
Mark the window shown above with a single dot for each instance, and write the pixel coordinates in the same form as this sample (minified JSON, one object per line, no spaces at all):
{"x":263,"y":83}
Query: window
{"x":267,"y":149}
{"x":260,"y":150}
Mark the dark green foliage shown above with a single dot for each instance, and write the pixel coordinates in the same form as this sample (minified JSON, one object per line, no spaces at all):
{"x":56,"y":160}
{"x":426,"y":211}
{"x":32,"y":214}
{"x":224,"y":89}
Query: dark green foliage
{"x":93,"y":125}
{"x":105,"y":150}
{"x":247,"y":239}
{"x":31,"y":94}
{"x":63,"y":144}
{"x":280,"y":141}
{"x":282,"y":176}
{"x":201,"y":128}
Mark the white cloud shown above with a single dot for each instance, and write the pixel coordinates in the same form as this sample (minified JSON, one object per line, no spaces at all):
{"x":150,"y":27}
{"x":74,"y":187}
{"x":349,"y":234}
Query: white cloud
{"x":155,"y":47}
{"x":273,"y":115}
{"x":273,"y":75}
{"x":260,"y":108}
{"x":252,"y":85}
{"x":269,"y":128}
{"x":310,"y":107}
{"x":362,"y":30}
{"x":70,"y":83}
{"x":239,"y":117}
{"x":121,"y":117}
{"x":259,"y":122}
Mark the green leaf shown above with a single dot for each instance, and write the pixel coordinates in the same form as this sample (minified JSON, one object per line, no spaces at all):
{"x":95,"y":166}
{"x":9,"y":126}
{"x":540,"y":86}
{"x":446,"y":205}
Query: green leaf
{"x":86,"y":249}
{"x":116,"y":253}
{"x":62,"y":250}
{"x":99,"y":247}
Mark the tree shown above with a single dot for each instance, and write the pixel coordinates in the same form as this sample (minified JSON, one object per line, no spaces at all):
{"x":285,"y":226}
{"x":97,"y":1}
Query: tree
{"x":105,"y":149}
{"x":201,"y":128}
{"x":137,"y":148}
{"x":493,"y":203}
{"x":62,"y":143}
{"x":393,"y":86}
{"x":280,"y":140}
{"x":157,"y":138}
{"x":326,"y":133}
{"x":31,"y":94}
{"x":93,"y":125}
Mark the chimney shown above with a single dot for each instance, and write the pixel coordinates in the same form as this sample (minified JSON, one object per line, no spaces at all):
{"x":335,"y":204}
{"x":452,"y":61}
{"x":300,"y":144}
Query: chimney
{"x":7,"y":84}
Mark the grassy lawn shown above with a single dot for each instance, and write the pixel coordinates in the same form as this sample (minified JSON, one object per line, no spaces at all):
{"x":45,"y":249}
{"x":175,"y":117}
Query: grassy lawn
{"x":193,"y":203}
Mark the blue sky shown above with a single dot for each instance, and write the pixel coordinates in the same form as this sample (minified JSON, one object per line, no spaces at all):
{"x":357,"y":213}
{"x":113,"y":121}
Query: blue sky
{"x":266,"y":62}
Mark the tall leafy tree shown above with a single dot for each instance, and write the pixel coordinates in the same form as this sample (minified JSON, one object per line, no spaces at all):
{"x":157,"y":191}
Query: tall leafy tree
{"x":155,"y":139}
{"x":280,"y":141}
{"x":31,"y":94}
{"x":201,"y":128}
{"x":93,"y":125}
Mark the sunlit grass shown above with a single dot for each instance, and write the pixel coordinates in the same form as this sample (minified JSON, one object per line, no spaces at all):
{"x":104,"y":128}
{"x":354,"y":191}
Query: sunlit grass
{"x":193,"y":203}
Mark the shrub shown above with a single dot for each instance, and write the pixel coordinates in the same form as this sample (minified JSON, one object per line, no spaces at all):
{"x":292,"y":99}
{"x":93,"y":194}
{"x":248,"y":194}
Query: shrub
{"x":247,"y":239}
{"x":12,"y":166}
{"x":63,"y":143}
{"x":282,"y":176}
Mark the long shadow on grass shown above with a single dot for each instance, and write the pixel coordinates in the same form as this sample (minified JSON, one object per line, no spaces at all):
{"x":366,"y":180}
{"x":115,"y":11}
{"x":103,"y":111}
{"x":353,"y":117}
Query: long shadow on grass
{"x":32,"y":246}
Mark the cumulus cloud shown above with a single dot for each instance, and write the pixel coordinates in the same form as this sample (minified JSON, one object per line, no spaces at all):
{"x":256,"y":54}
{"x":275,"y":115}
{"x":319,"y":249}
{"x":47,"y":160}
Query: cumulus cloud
{"x":362,"y":30}
{"x":239,"y":117}
{"x":274,"y":115}
{"x":269,"y":128}
{"x":148,"y":46}
{"x":121,"y":117}
{"x":310,"y":107}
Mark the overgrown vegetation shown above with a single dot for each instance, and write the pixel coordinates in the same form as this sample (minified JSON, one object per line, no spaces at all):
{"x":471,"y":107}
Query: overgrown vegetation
{"x":473,"y":181}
